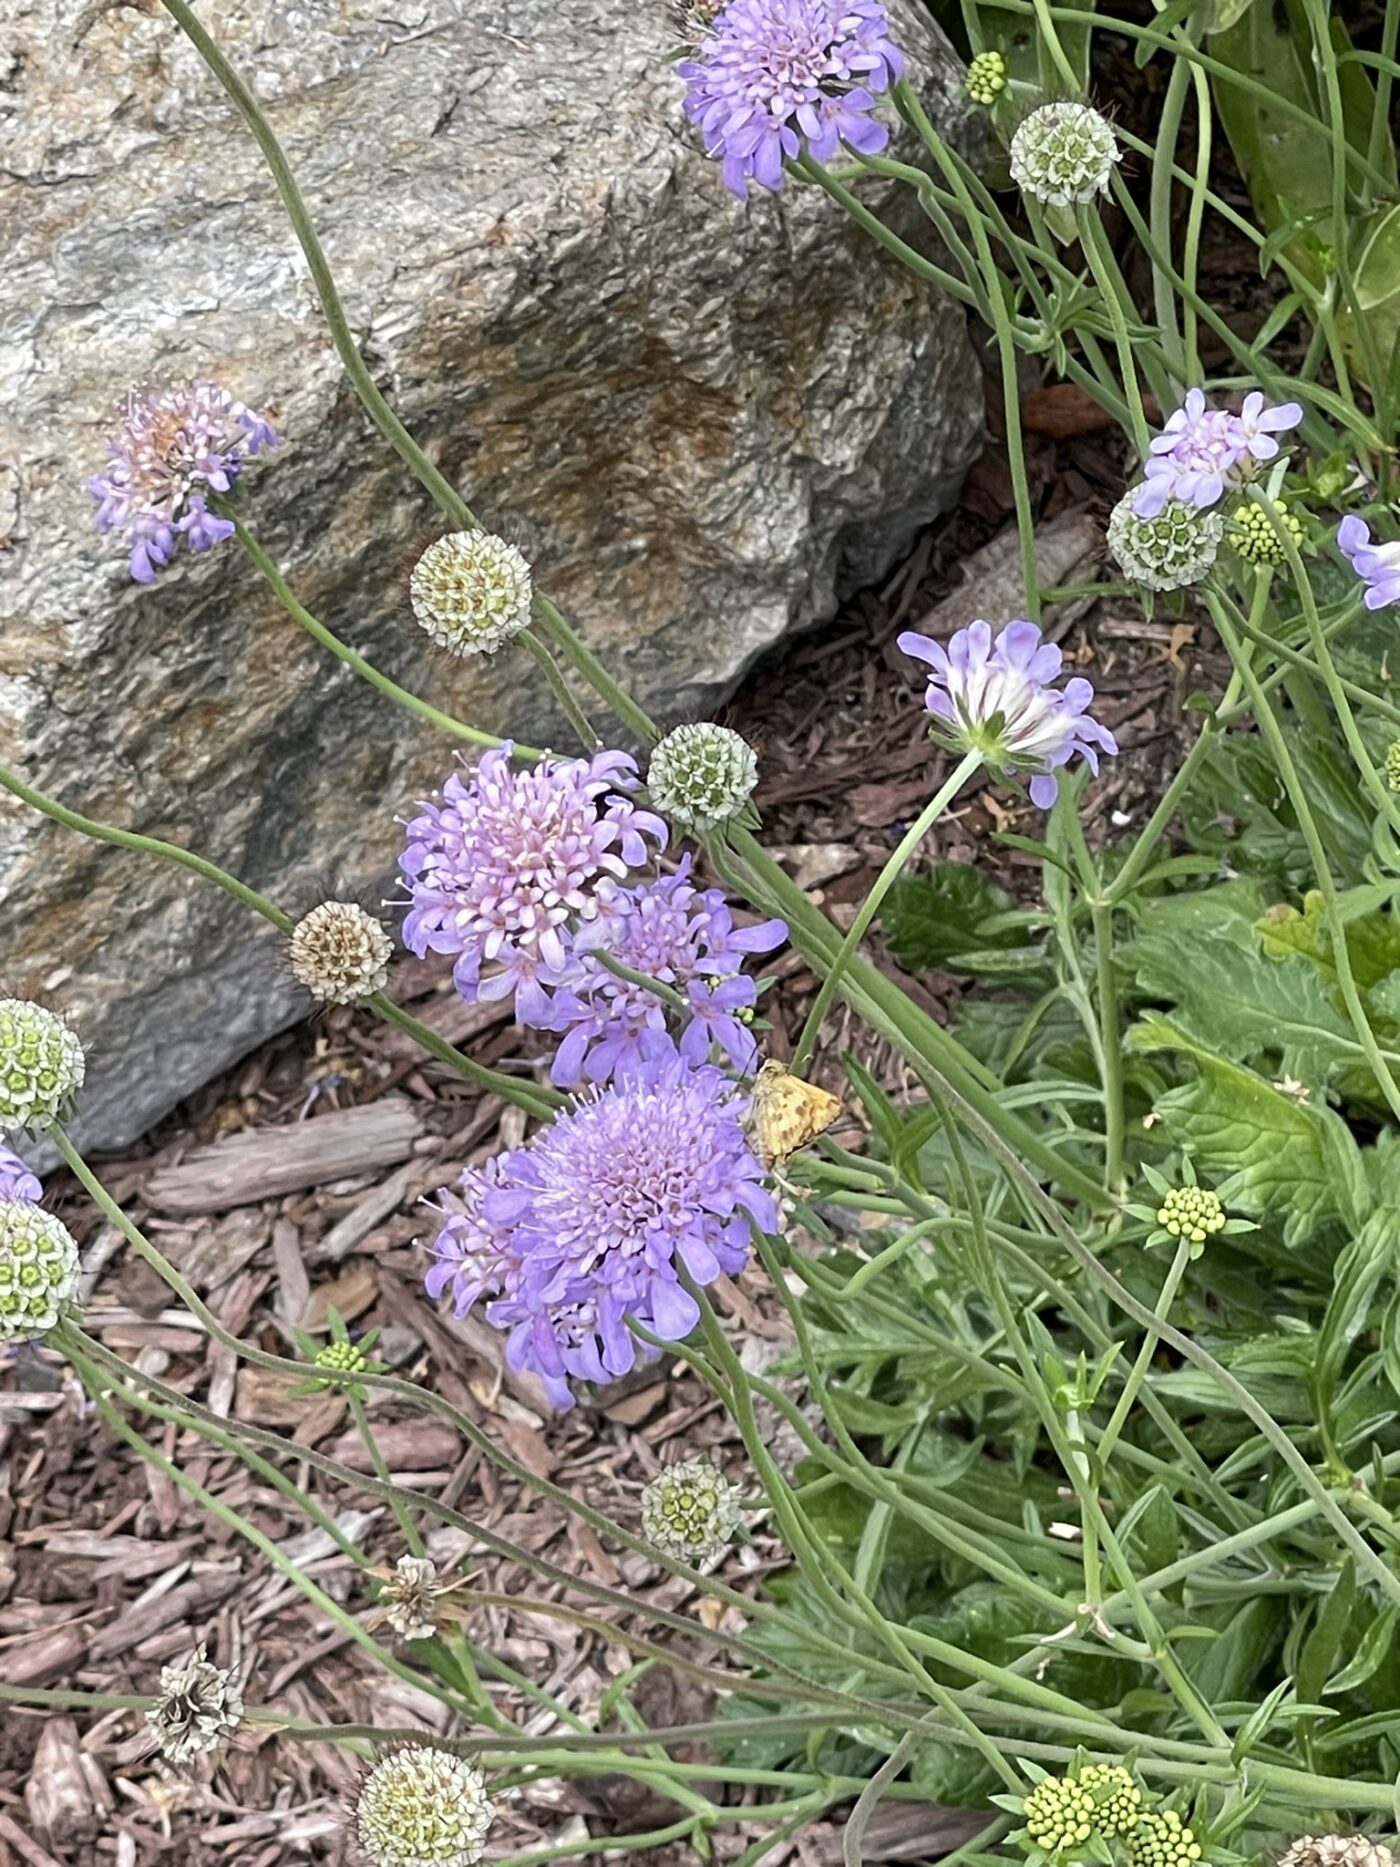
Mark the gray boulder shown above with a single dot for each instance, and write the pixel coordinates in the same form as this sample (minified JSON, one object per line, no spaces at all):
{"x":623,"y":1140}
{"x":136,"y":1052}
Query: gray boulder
{"x":705,"y":420}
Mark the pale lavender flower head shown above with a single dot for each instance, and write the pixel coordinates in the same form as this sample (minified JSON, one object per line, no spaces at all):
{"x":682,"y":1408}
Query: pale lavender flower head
{"x":592,"y":1222}
{"x":1378,"y":566}
{"x":685,"y":938}
{"x":775,"y":79}
{"x":1202,"y":451}
{"x":507,"y":864}
{"x":16,"y":1181}
{"x":999,"y":699}
{"x":175,"y":447}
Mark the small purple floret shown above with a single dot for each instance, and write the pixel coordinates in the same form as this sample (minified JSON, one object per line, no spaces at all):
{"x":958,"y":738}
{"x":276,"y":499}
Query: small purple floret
{"x":685,"y":938}
{"x":776,"y":79}
{"x":998,"y":699}
{"x":593,"y":1222}
{"x":16,"y":1181}
{"x":1378,"y":566}
{"x":1203,"y":452}
{"x":506,"y":865}
{"x":173,"y":449}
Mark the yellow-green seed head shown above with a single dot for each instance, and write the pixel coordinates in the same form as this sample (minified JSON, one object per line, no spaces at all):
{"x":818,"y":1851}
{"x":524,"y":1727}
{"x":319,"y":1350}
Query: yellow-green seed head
{"x":1171,"y":550}
{"x":690,"y":1511}
{"x":423,"y":1807}
{"x":702,"y":775}
{"x":1159,"y":1838}
{"x":1191,"y":1212}
{"x":1254,"y":539}
{"x":41,"y":1065}
{"x":471,"y":591}
{"x":1064,"y":153}
{"x":38,"y":1270}
{"x":986,"y":77}
{"x":1060,"y":1814}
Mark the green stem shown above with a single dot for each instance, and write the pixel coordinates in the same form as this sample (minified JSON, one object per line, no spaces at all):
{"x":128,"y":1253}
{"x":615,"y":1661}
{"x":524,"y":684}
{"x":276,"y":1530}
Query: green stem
{"x":407,"y":1528}
{"x":888,"y":876}
{"x":559,"y":687}
{"x":1111,"y":292}
{"x":1108,"y":1439}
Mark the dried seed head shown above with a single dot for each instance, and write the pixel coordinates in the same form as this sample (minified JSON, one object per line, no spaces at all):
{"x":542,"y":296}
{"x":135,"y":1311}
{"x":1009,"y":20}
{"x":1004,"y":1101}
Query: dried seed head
{"x":41,"y":1065}
{"x":690,"y":1511}
{"x":1337,"y":1851}
{"x":1159,"y":1838}
{"x":198,"y":1706}
{"x":1171,"y":550}
{"x":340,"y":953}
{"x":702,"y":775}
{"x":1255,"y":539}
{"x":423,"y":1807}
{"x":410,"y":1598}
{"x":38,"y":1269}
{"x":986,"y":77}
{"x":471,"y":591}
{"x":1191,"y":1212}
{"x":1063,"y":153}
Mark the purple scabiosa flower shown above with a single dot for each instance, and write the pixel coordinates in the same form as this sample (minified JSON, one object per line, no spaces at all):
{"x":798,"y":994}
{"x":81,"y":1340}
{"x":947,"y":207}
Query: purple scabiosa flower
{"x":998,"y":699}
{"x":681,"y":936}
{"x":776,"y":79}
{"x":1202,"y":452}
{"x":174,"y":447}
{"x":16,"y":1181}
{"x":592,"y":1223}
{"x":1378,"y":566}
{"x":508,"y":864}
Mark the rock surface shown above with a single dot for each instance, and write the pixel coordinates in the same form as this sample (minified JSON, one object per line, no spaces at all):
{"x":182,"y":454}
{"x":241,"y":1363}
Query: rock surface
{"x":704,"y":419}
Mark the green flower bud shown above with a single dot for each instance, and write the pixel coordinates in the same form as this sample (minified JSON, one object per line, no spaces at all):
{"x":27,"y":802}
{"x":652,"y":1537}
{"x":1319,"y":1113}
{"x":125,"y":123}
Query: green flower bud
{"x":1117,"y":1798}
{"x":1168,"y":552}
{"x":702,"y":775}
{"x":1254,"y":538}
{"x":471,"y":592}
{"x":38,"y":1269}
{"x":423,"y":1807}
{"x":1060,"y":1814}
{"x":41,"y":1065}
{"x":1191,"y":1212}
{"x":986,"y":77}
{"x":1159,"y":1838}
{"x":1392,"y":764}
{"x":690,"y":1511}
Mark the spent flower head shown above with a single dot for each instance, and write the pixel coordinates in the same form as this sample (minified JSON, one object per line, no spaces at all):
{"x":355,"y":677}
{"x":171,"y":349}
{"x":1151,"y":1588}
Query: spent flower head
{"x":340,"y":953}
{"x":16,"y":1181}
{"x":594,"y":1222}
{"x":702,"y":775}
{"x":1337,"y":1851}
{"x":986,"y":77}
{"x":471,"y":592}
{"x":1064,"y":153}
{"x":1169,"y":551}
{"x":1203,"y":452}
{"x":173,"y":449}
{"x":1253,"y":538}
{"x":773,"y":80}
{"x":38,"y":1269}
{"x":410,"y":1598}
{"x":423,"y":1807}
{"x":1378,"y":566}
{"x":41,"y":1065}
{"x":1159,"y":1838}
{"x":690,"y":1511}
{"x":999,"y":699}
{"x":198,"y":1706}
{"x":507,"y":864}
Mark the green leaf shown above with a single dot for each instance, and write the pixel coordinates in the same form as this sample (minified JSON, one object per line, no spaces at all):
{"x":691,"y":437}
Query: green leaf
{"x":1294,"y":1162}
{"x":1323,"y":1643}
{"x":929,"y":919}
{"x":1371,"y":1650}
{"x":1229,"y":1666}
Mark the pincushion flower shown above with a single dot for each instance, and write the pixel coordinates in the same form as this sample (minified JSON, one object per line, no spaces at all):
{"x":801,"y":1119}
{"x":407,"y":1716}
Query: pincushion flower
{"x":999,"y":699}
{"x":776,"y":79}
{"x":175,"y":447}
{"x":1202,"y":451}
{"x":1378,"y":566}
{"x":16,"y":1181}
{"x":507,"y":864}
{"x":681,"y":936}
{"x":593,"y":1222}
